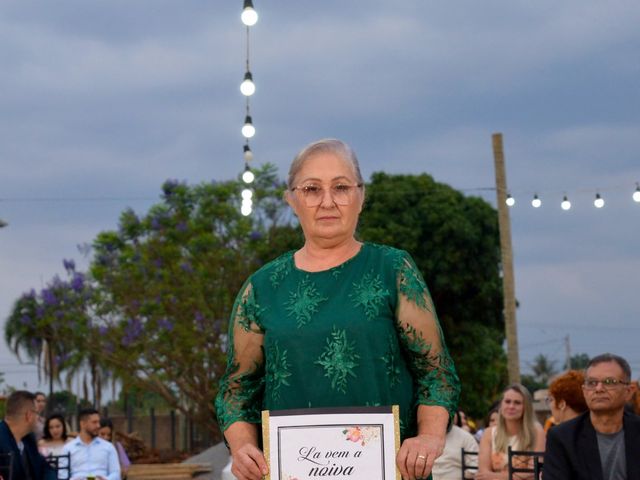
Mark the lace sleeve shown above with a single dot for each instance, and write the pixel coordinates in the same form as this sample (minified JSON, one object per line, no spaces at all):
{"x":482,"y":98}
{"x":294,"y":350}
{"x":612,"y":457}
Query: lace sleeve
{"x":421,"y":336}
{"x":241,"y":387}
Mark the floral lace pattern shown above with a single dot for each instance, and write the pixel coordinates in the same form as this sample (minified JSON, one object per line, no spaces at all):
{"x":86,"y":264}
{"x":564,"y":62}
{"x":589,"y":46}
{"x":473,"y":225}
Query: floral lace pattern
{"x":339,"y":360}
{"x":238,"y":396}
{"x":369,"y":294}
{"x":249,"y":311}
{"x":277,"y":369}
{"x":281,"y":267}
{"x":276,"y":359}
{"x":303,"y":302}
{"x":391,"y":359}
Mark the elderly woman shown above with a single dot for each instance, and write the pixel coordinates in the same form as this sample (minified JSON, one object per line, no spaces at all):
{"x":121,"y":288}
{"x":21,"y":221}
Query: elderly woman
{"x":337,"y":323}
{"x":566,"y":399}
{"x":516,"y":428}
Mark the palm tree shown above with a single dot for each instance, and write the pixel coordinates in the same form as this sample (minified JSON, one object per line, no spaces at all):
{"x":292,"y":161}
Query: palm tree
{"x":543,"y":369}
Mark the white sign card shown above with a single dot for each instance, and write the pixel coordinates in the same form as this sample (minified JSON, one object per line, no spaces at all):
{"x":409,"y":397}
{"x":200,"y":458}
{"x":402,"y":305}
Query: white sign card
{"x":351,"y":443}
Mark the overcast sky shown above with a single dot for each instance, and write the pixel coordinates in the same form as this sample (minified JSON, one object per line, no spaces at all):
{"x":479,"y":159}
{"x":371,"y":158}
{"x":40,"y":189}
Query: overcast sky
{"x":102,"y":101}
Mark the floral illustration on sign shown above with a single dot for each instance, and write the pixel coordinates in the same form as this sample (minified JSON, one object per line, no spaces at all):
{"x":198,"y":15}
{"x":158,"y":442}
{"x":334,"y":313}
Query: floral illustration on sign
{"x":361,"y":435}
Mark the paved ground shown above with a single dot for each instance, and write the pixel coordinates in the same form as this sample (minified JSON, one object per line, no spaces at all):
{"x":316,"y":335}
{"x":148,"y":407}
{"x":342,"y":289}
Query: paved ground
{"x":216,"y":456}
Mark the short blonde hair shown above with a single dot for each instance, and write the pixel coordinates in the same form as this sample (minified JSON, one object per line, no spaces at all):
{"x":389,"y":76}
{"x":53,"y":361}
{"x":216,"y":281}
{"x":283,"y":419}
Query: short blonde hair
{"x":326,"y":145}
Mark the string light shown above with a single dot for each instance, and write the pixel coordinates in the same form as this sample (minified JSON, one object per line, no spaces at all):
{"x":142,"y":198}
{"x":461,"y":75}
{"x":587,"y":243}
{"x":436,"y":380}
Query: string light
{"x":566,"y":204}
{"x":248,"y":130}
{"x":599,"y":201}
{"x":247,"y":87}
{"x":510,"y":200}
{"x":247,"y":194}
{"x":247,"y":153}
{"x":636,"y":194}
{"x":248,"y":176}
{"x":536,"y":202}
{"x":249,"y":16}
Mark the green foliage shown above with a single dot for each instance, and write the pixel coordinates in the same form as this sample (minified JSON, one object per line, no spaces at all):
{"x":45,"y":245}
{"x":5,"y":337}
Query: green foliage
{"x":455,"y":242}
{"x":543,"y":369}
{"x":63,"y":402}
{"x":579,"y":361}
{"x":532,"y":383}
{"x":168,"y":280}
{"x":43,"y":325}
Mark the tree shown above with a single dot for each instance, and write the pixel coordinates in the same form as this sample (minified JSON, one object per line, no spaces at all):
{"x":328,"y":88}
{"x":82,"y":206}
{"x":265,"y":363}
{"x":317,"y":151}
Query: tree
{"x":543,"y":369}
{"x":167,"y":281}
{"x":579,"y":361}
{"x":454,"y":241}
{"x":43,"y":325}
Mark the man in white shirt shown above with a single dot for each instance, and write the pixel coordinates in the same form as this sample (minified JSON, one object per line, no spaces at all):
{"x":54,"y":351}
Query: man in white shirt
{"x":91,"y":456}
{"x":448,"y":466}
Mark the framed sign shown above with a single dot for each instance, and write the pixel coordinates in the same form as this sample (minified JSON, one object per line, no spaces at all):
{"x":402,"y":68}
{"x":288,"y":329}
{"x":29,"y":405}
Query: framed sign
{"x":354,"y":443}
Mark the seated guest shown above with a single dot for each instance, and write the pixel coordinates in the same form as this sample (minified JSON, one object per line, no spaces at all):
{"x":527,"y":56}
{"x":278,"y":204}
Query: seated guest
{"x":566,"y":399}
{"x":106,"y":433}
{"x":17,"y":438}
{"x":604,"y":442}
{"x":41,"y":405}
{"x":490,"y":421}
{"x":54,"y":435}
{"x":448,"y":466}
{"x":516,"y":428}
{"x":92,"y":456}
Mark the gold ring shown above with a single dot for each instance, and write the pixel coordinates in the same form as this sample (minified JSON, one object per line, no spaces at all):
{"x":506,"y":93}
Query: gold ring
{"x":422,"y":457}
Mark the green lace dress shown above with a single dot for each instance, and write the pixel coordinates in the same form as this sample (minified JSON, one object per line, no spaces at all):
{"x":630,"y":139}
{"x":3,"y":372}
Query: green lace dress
{"x":364,"y":333}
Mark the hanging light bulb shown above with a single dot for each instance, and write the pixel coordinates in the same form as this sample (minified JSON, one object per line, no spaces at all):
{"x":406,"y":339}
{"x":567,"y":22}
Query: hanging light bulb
{"x":248,"y":176}
{"x":245,"y":209}
{"x":510,"y":200}
{"x":636,"y":194}
{"x":566,"y":204}
{"x":247,"y":87}
{"x":249,"y":16}
{"x":247,"y":153}
{"x":248,"y":130}
{"x":247,"y":194}
{"x":599,"y":201}
{"x":536,"y":202}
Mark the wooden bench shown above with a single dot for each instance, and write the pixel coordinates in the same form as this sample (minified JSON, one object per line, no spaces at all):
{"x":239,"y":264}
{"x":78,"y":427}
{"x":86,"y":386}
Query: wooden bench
{"x":165,"y":471}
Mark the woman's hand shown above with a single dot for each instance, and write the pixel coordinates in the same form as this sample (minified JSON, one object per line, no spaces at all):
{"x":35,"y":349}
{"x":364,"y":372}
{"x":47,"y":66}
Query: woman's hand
{"x":417,"y":454}
{"x":248,"y":463}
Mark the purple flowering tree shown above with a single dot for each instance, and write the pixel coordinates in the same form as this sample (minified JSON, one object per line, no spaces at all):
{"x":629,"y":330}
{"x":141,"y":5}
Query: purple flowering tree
{"x":166,"y":283}
{"x":44,"y":326}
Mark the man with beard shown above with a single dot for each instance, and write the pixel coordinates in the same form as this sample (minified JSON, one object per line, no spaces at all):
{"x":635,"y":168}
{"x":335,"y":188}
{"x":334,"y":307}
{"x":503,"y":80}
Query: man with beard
{"x":604,"y":442}
{"x":18,"y":448}
{"x":91,"y":456}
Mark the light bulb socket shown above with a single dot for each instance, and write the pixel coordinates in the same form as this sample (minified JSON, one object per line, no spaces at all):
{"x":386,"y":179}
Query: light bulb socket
{"x":248,"y":76}
{"x":247,"y":4}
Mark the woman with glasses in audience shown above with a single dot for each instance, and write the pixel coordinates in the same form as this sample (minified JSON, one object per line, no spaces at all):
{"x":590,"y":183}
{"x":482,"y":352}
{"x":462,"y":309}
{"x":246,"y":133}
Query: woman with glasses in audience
{"x":516,"y":428}
{"x":337,"y":323}
{"x":54,"y":435}
{"x":566,"y":399}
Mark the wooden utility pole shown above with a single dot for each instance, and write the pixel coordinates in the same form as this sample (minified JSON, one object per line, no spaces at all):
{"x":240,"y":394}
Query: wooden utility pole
{"x":508,"y":284}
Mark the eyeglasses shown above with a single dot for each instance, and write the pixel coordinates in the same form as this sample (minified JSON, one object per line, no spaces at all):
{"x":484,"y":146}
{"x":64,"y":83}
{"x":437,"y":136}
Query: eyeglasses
{"x":341,"y":194}
{"x":607,"y":383}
